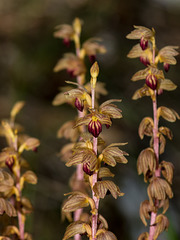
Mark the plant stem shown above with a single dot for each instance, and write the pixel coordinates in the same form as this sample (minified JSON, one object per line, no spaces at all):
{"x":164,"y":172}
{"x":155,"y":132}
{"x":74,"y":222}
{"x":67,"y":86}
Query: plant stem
{"x":156,"y":148}
{"x":20,"y":216}
{"x":94,"y":178}
{"x":157,"y":171}
{"x":18,"y":175}
{"x":79,"y":170}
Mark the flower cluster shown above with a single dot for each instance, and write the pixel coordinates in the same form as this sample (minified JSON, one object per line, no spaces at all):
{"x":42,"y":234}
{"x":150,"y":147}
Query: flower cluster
{"x":145,"y":51}
{"x":12,"y":202}
{"x":74,"y":63}
{"x":159,"y":174}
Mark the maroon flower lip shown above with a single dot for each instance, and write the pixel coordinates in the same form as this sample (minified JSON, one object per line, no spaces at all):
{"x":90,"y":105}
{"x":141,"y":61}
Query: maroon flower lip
{"x":66,"y":42}
{"x":143,"y":43}
{"x":87,"y":170}
{"x":79,"y":104}
{"x":9,"y":162}
{"x":95,"y":127}
{"x":166,"y":67}
{"x":145,"y":61}
{"x":151,"y":81}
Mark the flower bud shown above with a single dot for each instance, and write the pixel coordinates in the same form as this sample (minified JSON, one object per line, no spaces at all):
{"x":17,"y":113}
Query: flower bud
{"x":95,"y":127}
{"x":79,"y":104}
{"x":77,"y":25}
{"x":94,"y":70}
{"x":151,"y":81}
{"x":143,"y":43}
{"x":86,"y":169}
{"x":166,"y":67}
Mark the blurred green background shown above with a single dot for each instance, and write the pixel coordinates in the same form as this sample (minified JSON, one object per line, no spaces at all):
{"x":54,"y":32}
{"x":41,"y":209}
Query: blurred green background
{"x":28,"y":53}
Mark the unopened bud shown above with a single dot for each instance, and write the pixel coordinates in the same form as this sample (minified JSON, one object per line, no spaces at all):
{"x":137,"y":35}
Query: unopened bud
{"x":77,"y":25}
{"x":94,"y":70}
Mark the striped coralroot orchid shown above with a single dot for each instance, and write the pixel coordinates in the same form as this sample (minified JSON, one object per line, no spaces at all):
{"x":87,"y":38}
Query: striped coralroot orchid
{"x":12,"y":200}
{"x":86,"y":152}
{"x":156,"y":172}
{"x":80,"y":151}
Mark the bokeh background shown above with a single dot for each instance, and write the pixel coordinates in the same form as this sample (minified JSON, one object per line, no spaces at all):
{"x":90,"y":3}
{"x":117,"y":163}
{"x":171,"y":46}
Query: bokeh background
{"x":28,"y":53}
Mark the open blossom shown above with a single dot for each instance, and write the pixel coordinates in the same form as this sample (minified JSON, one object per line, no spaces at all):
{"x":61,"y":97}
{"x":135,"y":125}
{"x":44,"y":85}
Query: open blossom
{"x":94,"y":120}
{"x":66,"y":32}
{"x":92,"y":47}
{"x":73,"y":64}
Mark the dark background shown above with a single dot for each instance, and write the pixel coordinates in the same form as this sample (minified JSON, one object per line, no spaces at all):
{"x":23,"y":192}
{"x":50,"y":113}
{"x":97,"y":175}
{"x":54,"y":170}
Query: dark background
{"x":28,"y":53}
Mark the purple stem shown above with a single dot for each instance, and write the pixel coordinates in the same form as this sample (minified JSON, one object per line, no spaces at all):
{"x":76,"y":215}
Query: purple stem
{"x":20,"y":216}
{"x":79,"y":170}
{"x":156,"y":150}
{"x":157,"y":171}
{"x":94,"y":180}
